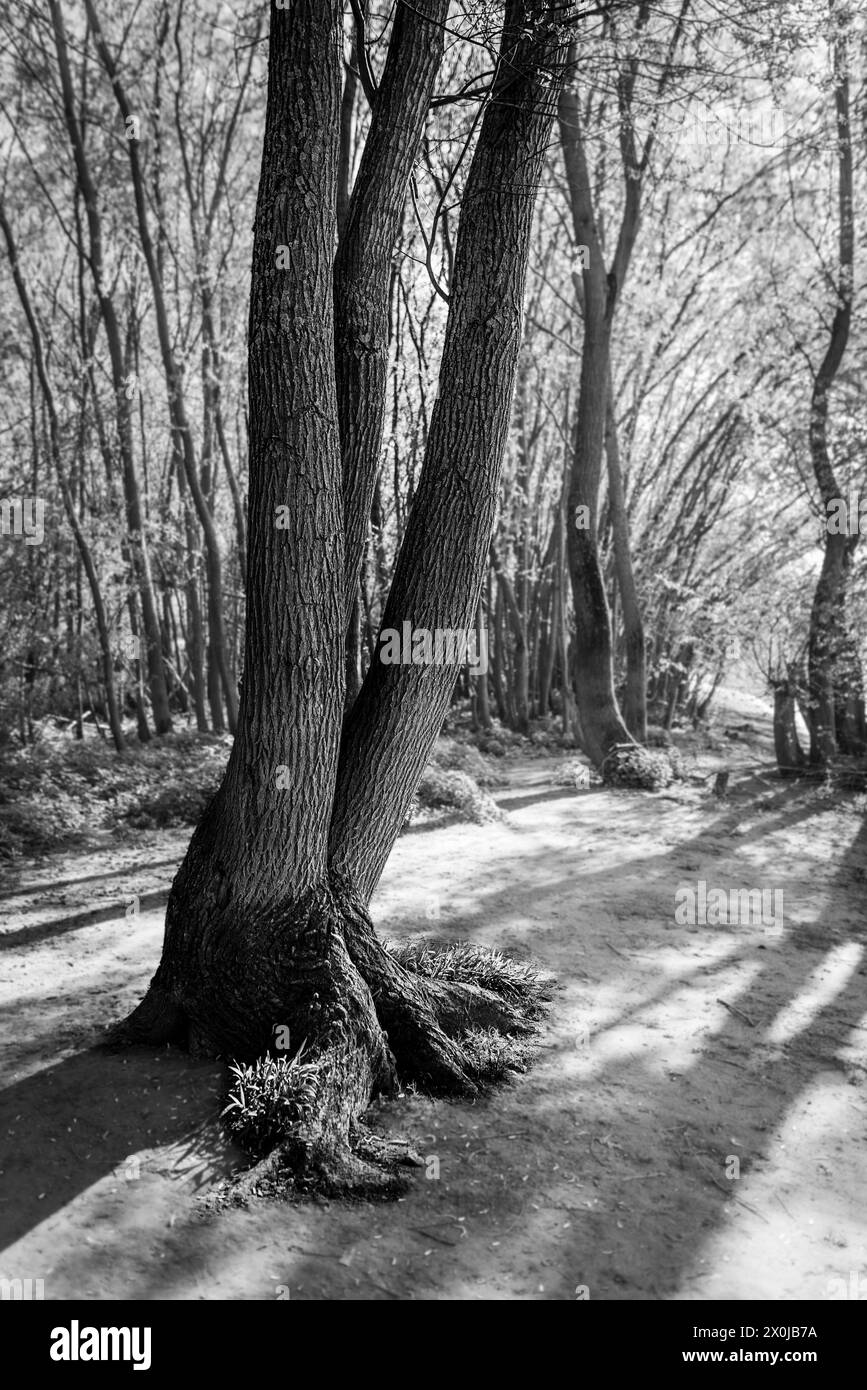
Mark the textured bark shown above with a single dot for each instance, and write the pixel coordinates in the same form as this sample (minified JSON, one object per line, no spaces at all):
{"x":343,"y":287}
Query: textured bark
{"x":262,"y":843}
{"x":262,"y":930}
{"x":442,"y":561}
{"x":362,"y":271}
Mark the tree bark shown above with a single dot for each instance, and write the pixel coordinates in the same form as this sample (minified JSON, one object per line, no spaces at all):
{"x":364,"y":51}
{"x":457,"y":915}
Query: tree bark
{"x":266,"y":924}
{"x":442,"y":561}
{"x":829,"y":643}
{"x":362,"y":270}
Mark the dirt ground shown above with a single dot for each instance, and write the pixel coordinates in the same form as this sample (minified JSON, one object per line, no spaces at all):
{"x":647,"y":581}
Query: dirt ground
{"x":694,"y":1127}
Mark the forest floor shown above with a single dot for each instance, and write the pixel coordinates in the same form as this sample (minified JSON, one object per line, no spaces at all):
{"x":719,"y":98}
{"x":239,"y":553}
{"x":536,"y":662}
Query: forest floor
{"x":674,"y":1057}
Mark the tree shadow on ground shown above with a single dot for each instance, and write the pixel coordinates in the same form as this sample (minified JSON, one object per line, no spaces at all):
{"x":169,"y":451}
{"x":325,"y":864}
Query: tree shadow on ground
{"x":605,"y":1166}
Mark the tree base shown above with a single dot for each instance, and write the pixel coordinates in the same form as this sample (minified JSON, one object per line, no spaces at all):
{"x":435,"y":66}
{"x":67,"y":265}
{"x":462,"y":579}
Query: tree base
{"x":318,"y":1017}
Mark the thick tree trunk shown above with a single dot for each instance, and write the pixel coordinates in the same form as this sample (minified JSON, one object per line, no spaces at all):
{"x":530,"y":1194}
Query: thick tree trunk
{"x":266,"y":925}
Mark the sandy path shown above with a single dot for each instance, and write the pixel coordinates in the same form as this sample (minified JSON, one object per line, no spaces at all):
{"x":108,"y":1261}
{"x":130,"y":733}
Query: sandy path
{"x":608,"y":1166}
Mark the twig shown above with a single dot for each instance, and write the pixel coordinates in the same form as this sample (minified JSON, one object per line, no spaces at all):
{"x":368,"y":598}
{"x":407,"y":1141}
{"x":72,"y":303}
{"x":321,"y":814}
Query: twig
{"x":430,"y":1235}
{"x":738,"y":1013}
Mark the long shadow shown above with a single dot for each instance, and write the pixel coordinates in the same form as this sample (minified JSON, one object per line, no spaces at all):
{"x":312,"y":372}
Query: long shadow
{"x":43,"y":931}
{"x":755,"y":1082}
{"x":178,"y":1099}
{"x":25,"y":889}
{"x":168,"y":1099}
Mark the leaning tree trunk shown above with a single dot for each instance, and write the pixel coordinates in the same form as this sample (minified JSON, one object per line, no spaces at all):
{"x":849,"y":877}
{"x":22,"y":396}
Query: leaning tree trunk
{"x":267,"y":925}
{"x":363,"y":266}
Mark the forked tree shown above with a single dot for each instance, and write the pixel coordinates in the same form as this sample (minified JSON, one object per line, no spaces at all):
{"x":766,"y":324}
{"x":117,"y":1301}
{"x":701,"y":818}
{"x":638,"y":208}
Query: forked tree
{"x":267,"y":924}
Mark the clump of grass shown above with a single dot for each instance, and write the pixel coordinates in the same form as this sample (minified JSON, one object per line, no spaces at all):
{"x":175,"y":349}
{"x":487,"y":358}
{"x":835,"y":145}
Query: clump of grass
{"x":491,"y":1056}
{"x":513,"y":980}
{"x":267,"y":1098}
{"x":630,"y":765}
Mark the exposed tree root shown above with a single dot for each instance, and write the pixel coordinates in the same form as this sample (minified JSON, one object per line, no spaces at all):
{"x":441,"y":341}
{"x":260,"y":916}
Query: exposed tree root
{"x":320,"y":1017}
{"x":155,"y":1021}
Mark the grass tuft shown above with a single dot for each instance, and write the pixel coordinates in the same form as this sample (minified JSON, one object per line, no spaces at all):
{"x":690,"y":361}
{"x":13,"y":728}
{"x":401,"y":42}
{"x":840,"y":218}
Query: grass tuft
{"x":491,"y":1057}
{"x":267,"y":1099}
{"x":465,"y":963}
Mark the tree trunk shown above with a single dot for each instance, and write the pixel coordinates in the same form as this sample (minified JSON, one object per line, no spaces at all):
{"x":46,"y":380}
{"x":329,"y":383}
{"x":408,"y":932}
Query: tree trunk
{"x":601,"y":722}
{"x":362,"y":270}
{"x":266,"y":925}
{"x":635,"y":702}
{"x":828,"y":640}
{"x":787,"y":746}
